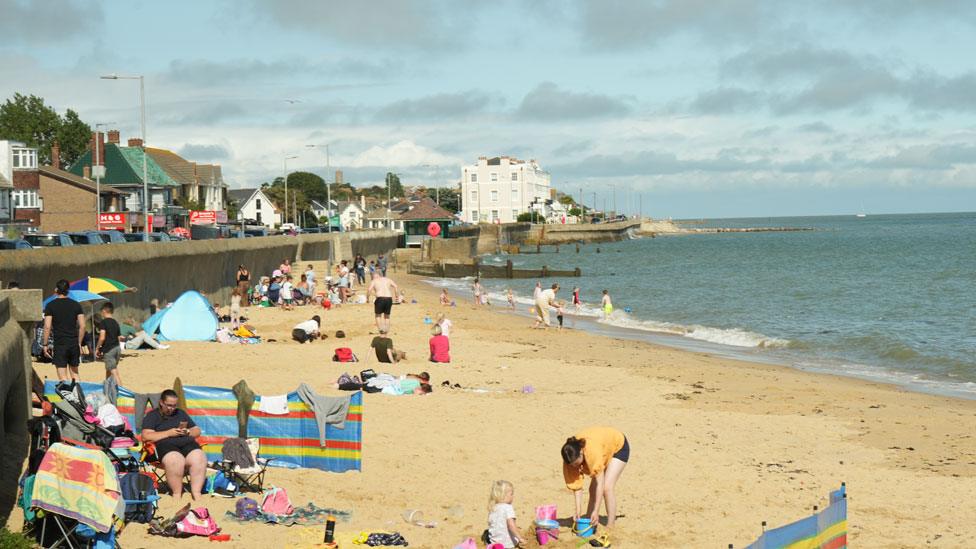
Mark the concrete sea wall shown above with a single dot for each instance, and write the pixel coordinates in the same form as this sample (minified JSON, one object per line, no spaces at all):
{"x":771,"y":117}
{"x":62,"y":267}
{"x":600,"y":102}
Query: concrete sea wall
{"x":165,"y":270}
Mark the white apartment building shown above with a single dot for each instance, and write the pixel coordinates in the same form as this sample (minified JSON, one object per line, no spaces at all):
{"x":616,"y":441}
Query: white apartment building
{"x":497,"y":190}
{"x":15,"y":156}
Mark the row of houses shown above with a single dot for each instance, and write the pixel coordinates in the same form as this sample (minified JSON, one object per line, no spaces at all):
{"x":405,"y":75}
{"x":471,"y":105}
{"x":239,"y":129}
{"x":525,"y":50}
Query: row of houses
{"x":55,"y":198}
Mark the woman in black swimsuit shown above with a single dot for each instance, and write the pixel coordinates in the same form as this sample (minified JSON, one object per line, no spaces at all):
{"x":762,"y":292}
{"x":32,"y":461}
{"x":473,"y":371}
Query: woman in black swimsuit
{"x":243,"y":283}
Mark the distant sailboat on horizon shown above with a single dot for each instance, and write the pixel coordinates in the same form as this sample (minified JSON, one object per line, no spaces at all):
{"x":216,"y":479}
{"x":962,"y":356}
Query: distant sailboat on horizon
{"x":860,"y":212}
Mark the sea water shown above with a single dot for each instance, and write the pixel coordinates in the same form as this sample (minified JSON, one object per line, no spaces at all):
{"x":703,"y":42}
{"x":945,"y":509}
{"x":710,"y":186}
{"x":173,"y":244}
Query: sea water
{"x":884,"y":297}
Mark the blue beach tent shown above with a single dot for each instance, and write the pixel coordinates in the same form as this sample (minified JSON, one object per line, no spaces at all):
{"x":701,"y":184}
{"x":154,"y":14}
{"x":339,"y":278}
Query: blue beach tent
{"x":189,"y":318}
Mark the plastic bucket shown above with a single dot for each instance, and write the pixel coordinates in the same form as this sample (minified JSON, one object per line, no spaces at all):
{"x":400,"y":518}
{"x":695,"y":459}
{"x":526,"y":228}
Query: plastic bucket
{"x":542,"y":536}
{"x":545,"y":512}
{"x":583,"y":528}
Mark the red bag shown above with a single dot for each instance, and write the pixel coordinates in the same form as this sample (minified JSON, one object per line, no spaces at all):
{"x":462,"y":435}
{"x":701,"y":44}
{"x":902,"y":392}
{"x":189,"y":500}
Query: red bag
{"x":344,"y":354}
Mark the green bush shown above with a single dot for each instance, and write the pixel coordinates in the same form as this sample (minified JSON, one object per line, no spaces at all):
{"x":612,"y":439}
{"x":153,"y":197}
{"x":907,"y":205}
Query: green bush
{"x":13,"y":540}
{"x":524,"y":217}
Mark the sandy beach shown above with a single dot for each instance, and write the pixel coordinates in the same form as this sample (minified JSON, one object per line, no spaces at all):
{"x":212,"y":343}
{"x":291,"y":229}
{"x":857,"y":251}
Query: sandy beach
{"x":718,"y":445}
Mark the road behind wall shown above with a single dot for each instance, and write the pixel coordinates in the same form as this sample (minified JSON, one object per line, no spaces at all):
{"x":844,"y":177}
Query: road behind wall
{"x":165,"y":270}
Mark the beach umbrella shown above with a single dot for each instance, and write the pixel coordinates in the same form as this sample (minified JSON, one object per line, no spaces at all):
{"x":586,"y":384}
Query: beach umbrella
{"x":99,"y":285}
{"x":80,"y":296}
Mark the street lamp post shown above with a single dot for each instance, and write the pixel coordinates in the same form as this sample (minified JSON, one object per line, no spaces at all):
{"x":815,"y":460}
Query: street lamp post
{"x":328,"y":186}
{"x":145,"y":168}
{"x":285,"y":169}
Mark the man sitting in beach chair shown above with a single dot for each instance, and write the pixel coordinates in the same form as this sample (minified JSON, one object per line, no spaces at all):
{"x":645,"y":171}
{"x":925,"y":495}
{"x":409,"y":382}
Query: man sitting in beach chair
{"x":174,"y":434}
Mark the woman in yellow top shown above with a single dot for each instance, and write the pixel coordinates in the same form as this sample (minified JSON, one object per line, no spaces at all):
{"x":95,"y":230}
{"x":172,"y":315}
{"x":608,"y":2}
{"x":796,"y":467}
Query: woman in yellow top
{"x":600,"y":453}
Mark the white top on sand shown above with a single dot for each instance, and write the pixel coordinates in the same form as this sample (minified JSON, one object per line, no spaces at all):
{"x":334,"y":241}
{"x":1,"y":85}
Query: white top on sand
{"x":309,"y":327}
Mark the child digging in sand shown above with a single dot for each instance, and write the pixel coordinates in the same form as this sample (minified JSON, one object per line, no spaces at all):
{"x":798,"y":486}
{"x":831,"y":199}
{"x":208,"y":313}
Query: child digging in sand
{"x":501,"y":517}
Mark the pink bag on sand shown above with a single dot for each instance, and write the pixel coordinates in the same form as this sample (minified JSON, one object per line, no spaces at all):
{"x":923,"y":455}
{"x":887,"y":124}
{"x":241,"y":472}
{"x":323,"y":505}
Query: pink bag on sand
{"x":197,"y":522}
{"x":467,"y":544}
{"x":276,"y":502}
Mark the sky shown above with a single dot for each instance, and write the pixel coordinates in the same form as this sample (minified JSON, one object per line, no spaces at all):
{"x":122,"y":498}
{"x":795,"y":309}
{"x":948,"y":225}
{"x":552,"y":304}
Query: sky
{"x":684,"y":108}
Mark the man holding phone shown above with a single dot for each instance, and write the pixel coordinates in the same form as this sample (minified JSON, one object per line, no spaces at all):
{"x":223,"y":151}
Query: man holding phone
{"x":174,"y":433}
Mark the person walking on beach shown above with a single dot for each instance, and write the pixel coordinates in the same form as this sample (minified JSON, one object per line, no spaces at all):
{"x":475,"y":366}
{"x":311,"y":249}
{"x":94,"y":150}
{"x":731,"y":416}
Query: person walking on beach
{"x":243,"y":282}
{"x":545,"y":299}
{"x":511,"y":299}
{"x":360,"y":265}
{"x":384,"y":289}
{"x":600,"y":453}
{"x":476,"y":287}
{"x":381,"y":264}
{"x":606,"y":304}
{"x":108,"y":348}
{"x":64,"y":319}
{"x":577,"y":302}
{"x":536,"y":291}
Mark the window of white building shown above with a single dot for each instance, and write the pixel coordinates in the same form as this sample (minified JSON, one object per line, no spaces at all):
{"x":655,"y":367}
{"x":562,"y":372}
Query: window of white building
{"x":514,"y":176}
{"x":494,"y":216}
{"x":494,"y":176}
{"x":474,"y":215}
{"x":25,"y":199}
{"x":494,"y":196}
{"x":474,"y":196}
{"x":25,"y":158}
{"x":257,"y":203}
{"x":474,"y":178}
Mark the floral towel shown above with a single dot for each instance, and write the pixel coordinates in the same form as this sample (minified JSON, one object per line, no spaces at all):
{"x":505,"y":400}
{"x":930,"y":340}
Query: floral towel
{"x":77,"y":483}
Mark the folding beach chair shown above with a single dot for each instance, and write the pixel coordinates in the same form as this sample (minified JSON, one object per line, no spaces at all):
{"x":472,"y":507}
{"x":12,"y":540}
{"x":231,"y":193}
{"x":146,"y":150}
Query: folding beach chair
{"x":248,"y":479}
{"x":154,"y":467}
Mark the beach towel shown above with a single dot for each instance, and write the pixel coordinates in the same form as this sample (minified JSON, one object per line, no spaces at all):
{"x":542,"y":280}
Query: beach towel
{"x":327,"y":410}
{"x":308,"y":515}
{"x":274,"y":405}
{"x":78,"y":483}
{"x":245,"y":401}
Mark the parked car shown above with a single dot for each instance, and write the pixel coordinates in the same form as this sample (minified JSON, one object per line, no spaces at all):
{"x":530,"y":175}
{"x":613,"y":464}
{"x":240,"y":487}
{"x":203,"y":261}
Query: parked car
{"x":48,"y":240}
{"x":14,"y":244}
{"x":160,"y":237}
{"x":134,"y":237}
{"x":114,"y":237}
{"x":87,"y":237}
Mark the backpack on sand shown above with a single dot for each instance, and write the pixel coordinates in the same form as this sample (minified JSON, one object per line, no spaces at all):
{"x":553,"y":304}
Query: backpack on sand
{"x":344,"y":354}
{"x":276,"y":502}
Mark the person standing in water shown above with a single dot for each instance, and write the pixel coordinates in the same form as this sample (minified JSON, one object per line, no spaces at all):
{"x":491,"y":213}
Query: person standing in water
{"x":606,"y":304}
{"x":577,"y":302}
{"x":477,"y":291}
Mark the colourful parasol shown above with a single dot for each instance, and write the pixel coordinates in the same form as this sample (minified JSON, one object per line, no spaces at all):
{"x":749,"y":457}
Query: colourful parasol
{"x":100,"y":285}
{"x":78,"y":295}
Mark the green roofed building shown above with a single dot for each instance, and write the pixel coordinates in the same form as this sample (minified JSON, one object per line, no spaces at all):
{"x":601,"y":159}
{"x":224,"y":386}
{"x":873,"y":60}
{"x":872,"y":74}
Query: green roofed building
{"x":123,"y":171}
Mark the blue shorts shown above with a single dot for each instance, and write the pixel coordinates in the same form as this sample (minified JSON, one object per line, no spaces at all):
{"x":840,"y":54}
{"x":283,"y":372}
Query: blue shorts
{"x":623,"y":454}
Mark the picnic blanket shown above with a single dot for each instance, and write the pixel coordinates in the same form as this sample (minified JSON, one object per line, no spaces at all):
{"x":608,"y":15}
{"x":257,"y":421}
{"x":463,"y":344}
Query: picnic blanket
{"x":309,"y":515}
{"x":77,"y":483}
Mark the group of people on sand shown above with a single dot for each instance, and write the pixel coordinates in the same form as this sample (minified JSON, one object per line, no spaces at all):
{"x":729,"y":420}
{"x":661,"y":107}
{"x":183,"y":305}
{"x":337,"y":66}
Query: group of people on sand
{"x":600,"y":453}
{"x":64,"y":339}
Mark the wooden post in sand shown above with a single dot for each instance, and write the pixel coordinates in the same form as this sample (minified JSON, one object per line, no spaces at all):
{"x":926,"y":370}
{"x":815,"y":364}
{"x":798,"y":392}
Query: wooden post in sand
{"x":508,"y":268}
{"x":545,"y":271}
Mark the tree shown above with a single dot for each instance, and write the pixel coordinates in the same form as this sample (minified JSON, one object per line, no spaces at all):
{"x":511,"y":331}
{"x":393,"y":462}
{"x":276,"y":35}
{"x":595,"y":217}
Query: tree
{"x":524,"y":217}
{"x":396,"y":188}
{"x":449,"y":197}
{"x":311,"y":185}
{"x":27,"y":119}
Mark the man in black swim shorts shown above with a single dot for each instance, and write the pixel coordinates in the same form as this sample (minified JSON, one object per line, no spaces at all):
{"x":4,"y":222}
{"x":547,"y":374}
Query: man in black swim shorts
{"x":384,"y":289}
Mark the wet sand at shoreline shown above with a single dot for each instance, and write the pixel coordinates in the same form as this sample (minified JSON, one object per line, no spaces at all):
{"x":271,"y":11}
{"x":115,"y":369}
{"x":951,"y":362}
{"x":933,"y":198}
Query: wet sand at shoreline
{"x":717,"y":445}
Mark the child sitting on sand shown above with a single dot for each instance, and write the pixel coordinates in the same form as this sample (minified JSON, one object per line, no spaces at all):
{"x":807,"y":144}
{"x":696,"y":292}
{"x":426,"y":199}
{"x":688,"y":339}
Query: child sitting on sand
{"x":501,"y":517}
{"x":445,"y":299}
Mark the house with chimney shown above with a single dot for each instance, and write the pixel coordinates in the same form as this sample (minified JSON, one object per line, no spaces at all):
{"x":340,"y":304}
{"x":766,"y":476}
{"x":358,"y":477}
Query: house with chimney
{"x":202,"y":184}
{"x":47,"y":198}
{"x":352,"y":214}
{"x":123,"y":169}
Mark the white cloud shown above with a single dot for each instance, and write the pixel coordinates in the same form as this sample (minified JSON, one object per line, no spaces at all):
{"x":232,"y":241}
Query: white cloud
{"x":403,"y":153}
